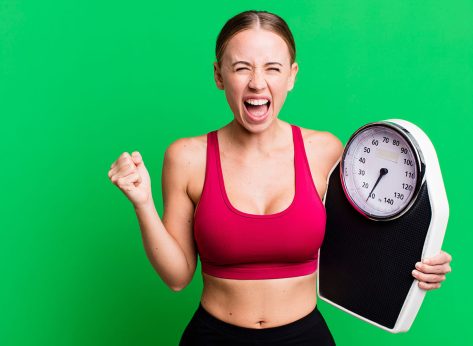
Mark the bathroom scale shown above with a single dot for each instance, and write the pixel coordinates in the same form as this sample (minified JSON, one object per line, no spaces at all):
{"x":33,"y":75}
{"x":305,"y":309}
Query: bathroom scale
{"x":387,"y":209}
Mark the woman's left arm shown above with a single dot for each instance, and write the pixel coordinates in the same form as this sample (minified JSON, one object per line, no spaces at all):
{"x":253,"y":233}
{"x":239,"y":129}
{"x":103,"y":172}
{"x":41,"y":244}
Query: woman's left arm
{"x":431,"y":271}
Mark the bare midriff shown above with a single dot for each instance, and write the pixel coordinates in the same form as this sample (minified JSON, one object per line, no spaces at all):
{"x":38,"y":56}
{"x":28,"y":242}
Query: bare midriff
{"x":259,"y":303}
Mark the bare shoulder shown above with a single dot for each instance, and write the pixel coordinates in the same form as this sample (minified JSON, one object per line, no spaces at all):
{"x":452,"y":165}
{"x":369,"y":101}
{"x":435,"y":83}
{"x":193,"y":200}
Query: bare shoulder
{"x":186,"y":152}
{"x":184,"y":159}
{"x":323,"y":147}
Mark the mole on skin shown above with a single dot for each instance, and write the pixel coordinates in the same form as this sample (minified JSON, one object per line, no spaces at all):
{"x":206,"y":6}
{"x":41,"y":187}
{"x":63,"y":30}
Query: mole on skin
{"x":260,"y":322}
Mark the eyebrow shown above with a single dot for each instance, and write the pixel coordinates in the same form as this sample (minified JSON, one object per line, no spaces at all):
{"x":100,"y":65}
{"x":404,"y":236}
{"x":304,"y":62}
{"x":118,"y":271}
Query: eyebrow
{"x":247,"y":63}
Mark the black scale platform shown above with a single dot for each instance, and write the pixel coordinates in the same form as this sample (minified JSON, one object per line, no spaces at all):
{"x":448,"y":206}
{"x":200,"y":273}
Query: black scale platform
{"x":365,"y":269}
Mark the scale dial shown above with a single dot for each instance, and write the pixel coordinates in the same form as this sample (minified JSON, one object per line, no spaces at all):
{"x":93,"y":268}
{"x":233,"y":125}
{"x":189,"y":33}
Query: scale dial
{"x":381,"y":170}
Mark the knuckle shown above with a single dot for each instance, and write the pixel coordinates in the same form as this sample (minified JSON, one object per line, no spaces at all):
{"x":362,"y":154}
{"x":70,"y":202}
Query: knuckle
{"x":125,"y":167}
{"x":431,"y":278}
{"x":125,"y":159}
{"x":421,"y":277}
{"x":429,"y":286}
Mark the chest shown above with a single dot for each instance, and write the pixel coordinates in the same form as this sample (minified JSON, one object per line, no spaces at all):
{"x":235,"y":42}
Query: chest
{"x":259,"y":185}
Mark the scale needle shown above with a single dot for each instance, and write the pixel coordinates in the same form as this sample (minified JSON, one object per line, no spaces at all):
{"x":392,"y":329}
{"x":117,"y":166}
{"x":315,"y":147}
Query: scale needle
{"x":382,"y":172}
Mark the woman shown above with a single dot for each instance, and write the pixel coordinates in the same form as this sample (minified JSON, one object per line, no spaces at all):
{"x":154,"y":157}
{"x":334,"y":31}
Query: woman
{"x":248,"y":198}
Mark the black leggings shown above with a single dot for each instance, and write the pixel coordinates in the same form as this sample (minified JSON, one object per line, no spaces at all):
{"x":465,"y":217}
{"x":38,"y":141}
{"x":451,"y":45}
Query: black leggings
{"x":206,"y":330}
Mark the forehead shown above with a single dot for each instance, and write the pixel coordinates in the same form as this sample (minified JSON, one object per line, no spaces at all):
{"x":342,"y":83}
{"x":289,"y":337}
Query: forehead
{"x":256,"y":45}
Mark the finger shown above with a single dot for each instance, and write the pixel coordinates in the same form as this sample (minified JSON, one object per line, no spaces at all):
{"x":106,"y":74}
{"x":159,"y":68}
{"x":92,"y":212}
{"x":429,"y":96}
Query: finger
{"x":123,"y":173}
{"x":127,"y":183}
{"x":112,"y":171}
{"x":428,"y":277}
{"x":122,"y":158}
{"x":124,"y":154}
{"x":125,"y":167}
{"x":136,"y":157}
{"x":428,"y":287}
{"x":122,"y":170}
{"x":437,"y":269}
{"x":440,"y":258}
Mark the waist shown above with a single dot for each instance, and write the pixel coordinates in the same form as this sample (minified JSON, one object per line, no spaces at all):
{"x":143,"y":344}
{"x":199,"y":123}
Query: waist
{"x":259,"y":303}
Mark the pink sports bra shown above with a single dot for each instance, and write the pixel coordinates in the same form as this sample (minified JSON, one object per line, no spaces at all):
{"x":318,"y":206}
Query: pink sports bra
{"x":237,"y":245}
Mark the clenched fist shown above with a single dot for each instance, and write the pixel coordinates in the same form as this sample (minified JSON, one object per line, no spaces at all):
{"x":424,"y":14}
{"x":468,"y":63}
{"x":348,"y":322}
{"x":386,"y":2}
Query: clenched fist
{"x":129,"y":173}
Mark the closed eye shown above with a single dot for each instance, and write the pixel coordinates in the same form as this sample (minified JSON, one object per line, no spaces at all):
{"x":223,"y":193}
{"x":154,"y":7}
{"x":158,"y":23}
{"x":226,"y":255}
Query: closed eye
{"x":245,"y":68}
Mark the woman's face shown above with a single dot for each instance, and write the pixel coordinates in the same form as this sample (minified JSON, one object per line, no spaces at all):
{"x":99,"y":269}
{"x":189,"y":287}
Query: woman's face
{"x":255,"y":67}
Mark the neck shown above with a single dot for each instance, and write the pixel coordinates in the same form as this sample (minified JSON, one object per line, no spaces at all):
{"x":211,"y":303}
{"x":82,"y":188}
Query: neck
{"x":256,"y":143}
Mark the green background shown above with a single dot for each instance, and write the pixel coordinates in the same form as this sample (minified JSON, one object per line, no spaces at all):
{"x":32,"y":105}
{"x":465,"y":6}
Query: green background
{"x":83,"y":81}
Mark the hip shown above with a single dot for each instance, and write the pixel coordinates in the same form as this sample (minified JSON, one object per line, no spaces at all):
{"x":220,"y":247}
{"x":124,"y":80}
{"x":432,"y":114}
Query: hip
{"x":206,"y":329}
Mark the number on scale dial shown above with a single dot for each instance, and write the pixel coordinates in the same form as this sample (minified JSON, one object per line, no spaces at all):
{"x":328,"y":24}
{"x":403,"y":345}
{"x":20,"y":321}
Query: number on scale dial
{"x":380,"y":170}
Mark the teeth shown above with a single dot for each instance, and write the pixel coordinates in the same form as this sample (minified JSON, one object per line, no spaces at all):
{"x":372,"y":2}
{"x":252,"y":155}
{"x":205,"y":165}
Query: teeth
{"x":257,"y":102}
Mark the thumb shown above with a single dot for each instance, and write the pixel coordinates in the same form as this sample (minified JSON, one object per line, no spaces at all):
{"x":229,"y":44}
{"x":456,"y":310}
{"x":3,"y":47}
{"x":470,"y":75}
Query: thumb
{"x":136,"y":157}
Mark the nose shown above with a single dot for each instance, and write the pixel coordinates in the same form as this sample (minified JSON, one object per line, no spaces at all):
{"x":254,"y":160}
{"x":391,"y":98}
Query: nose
{"x":257,"y":80}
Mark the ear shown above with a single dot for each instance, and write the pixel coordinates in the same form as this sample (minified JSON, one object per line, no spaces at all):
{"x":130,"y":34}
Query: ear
{"x":292,"y":76}
{"x":218,"y":77}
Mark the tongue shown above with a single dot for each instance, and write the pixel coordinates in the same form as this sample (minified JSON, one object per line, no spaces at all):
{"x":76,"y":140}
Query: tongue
{"x":257,"y":111}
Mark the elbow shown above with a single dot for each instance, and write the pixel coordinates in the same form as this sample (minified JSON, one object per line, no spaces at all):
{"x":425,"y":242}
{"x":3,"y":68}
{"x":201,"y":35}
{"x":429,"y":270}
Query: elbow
{"x":181,"y":286}
{"x":176,"y":288}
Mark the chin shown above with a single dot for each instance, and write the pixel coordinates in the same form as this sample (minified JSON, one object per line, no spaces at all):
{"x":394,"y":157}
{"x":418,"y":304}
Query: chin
{"x":255,"y":128}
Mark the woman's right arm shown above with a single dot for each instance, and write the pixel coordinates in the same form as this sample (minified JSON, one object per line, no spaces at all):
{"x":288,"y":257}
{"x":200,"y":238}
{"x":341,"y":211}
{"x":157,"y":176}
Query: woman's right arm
{"x":169,"y":242}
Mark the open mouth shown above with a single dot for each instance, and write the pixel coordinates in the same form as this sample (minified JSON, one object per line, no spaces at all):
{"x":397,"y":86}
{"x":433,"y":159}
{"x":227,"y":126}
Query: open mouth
{"x":257,"y":108}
